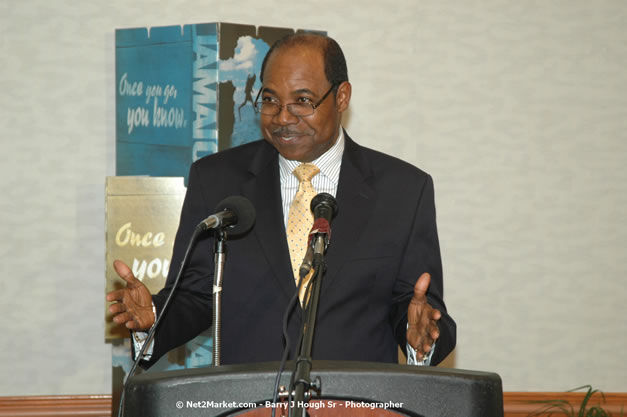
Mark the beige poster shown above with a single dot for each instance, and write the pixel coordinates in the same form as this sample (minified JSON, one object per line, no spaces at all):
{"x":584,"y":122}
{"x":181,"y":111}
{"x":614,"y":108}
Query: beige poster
{"x":142,"y":215}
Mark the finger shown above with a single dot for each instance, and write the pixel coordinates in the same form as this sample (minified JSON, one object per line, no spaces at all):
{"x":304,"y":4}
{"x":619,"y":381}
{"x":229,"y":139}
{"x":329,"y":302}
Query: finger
{"x":431,"y":328}
{"x":117,"y":295}
{"x":124,"y":272}
{"x":434,"y":332}
{"x":421,"y":353}
{"x":435,"y":314}
{"x":122,"y":318}
{"x":132,"y":325}
{"x":418,"y":349}
{"x":137,"y":322}
{"x":418,"y":338}
{"x":117,"y":308}
{"x":425,"y":340}
{"x":423,"y":332}
{"x":421,"y":286}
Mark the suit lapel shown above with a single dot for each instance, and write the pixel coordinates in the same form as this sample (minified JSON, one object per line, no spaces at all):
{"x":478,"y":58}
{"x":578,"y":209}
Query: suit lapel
{"x":356,"y":200}
{"x":263,"y":189}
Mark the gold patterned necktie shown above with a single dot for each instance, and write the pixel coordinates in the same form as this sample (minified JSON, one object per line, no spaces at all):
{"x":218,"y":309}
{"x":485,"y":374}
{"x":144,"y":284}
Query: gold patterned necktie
{"x":300,"y":218}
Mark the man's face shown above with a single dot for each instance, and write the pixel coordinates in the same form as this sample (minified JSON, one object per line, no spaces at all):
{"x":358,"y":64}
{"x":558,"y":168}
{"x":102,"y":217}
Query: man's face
{"x":296,"y":75}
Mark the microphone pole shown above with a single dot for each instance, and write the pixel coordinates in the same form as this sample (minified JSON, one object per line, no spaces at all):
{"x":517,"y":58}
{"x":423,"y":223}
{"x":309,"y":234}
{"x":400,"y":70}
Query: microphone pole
{"x":324,"y":208}
{"x":218,"y":273}
{"x":238,"y":214}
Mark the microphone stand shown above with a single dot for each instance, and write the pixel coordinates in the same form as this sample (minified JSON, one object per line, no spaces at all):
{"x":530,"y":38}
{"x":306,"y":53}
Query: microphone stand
{"x":219,"y":260}
{"x":303,"y":385}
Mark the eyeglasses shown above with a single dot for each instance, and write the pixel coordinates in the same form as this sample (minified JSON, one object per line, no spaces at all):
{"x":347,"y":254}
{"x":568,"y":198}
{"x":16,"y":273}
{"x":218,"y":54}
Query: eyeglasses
{"x":271,"y":108}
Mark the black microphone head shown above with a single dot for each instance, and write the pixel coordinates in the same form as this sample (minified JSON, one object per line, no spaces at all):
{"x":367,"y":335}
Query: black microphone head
{"x":243,"y":210}
{"x":324,"y":205}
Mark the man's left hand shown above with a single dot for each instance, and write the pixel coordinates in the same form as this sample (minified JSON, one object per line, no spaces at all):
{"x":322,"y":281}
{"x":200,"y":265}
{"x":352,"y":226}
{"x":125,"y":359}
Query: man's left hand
{"x":422,"y":319}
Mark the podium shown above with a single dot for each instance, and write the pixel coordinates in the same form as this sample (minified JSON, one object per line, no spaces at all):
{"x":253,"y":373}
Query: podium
{"x":347,"y":389}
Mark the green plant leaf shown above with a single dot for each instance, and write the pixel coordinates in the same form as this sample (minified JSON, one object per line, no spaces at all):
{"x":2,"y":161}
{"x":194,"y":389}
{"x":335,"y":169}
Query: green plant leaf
{"x":563,"y":407}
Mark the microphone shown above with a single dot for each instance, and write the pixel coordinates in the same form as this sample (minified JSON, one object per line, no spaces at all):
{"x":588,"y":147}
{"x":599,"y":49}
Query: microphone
{"x":235,"y":212}
{"x":324,"y":208}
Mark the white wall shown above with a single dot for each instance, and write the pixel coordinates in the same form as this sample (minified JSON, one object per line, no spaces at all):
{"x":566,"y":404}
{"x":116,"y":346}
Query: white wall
{"x":518,"y":110}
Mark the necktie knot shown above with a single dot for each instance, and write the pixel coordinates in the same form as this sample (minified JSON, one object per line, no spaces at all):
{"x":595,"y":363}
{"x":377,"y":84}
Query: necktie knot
{"x":305,"y":172}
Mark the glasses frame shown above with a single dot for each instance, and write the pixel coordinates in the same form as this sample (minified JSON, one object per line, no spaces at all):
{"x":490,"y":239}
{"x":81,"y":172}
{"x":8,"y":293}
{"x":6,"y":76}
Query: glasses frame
{"x":258,"y":105}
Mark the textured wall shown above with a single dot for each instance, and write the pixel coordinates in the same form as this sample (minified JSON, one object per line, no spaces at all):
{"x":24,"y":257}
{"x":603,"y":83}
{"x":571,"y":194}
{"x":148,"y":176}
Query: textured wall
{"x":518,"y":110}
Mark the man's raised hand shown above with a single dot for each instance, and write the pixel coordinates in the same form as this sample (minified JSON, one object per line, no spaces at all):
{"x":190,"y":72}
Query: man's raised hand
{"x":133,"y":304}
{"x":422,"y":319}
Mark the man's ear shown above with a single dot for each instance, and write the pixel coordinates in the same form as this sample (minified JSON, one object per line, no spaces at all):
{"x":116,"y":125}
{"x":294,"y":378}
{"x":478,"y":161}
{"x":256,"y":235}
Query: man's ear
{"x":343,"y":96}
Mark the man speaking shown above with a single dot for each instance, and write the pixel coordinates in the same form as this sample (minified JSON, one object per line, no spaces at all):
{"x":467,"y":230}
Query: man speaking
{"x":383,"y":284}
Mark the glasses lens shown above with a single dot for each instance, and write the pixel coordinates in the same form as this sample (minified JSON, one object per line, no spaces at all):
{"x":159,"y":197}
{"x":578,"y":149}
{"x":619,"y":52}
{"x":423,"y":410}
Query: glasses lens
{"x":269,"y":109}
{"x":300,"y":109}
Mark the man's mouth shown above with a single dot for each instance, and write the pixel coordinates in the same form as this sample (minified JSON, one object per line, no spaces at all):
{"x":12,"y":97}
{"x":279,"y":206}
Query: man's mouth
{"x":287,"y":135}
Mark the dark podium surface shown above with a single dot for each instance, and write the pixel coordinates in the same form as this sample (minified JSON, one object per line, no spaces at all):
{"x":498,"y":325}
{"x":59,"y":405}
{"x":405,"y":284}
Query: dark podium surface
{"x":406,"y":390}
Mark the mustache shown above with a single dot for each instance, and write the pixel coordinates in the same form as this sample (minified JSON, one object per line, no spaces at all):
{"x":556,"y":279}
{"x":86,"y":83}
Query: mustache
{"x":287,"y":131}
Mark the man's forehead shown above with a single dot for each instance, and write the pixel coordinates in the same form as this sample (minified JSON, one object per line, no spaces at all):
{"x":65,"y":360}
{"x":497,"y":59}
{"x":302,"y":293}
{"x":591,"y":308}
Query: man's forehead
{"x":295,"y":59}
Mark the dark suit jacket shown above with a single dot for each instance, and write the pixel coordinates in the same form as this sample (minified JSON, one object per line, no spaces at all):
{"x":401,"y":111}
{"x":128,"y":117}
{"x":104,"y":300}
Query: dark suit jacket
{"x":383,"y":237}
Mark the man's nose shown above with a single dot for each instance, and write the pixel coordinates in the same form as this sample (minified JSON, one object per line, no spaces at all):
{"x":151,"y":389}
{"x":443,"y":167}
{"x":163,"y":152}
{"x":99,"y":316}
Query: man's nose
{"x":285,"y":118}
